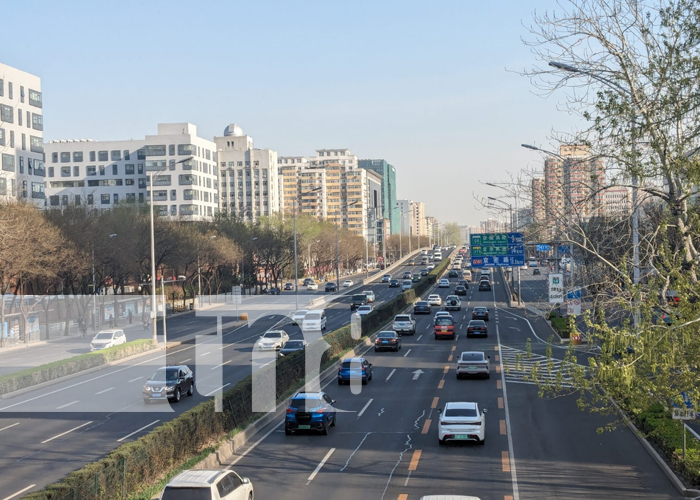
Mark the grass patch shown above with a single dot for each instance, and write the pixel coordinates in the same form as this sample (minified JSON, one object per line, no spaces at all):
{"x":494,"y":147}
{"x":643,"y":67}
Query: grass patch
{"x":560,"y":324}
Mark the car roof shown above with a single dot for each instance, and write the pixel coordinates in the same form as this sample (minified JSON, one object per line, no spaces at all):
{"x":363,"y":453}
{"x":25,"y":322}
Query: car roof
{"x":301,"y":311}
{"x":111,"y":330}
{"x":357,"y":360}
{"x":172,"y":367}
{"x":190,"y":478}
{"x":274,"y":331}
{"x":460,"y":405}
{"x":434,"y":295}
{"x":442,"y":313}
{"x":368,"y":291}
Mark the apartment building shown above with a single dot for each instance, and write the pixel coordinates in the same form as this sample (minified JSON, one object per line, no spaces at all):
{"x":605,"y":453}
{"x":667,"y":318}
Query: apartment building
{"x":618,"y":201}
{"x":22,"y":169}
{"x":249,"y":185}
{"x":432,"y":227}
{"x":403,"y":208}
{"x":106,"y":173}
{"x":538,"y":201}
{"x":417,"y":218}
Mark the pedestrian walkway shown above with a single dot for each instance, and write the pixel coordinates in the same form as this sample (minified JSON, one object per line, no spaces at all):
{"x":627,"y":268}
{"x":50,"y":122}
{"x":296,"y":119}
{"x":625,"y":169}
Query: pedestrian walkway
{"x":534,"y":369}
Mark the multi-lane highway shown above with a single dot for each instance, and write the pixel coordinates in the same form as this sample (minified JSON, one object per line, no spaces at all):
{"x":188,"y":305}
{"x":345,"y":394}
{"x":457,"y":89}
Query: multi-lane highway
{"x":385,"y":445}
{"x":47,"y":433}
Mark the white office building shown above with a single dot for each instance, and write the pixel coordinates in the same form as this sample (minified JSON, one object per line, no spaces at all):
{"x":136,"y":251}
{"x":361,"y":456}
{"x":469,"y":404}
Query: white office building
{"x":249,"y":180}
{"x":21,"y":136}
{"x":106,"y":173}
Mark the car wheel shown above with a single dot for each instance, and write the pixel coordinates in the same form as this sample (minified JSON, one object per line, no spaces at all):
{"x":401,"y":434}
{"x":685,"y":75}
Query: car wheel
{"x":376,"y":349}
{"x":441,"y":442}
{"x":250,"y":496}
{"x":370,"y":376}
{"x":482,"y":442}
{"x":453,"y":336}
{"x":335,"y":417}
{"x":488,"y":375}
{"x":190,"y":392}
{"x":364,"y":381}
{"x":324,"y":430}
{"x":436,"y":337}
{"x":340,"y":382}
{"x":178,"y":395}
{"x":287,"y":432}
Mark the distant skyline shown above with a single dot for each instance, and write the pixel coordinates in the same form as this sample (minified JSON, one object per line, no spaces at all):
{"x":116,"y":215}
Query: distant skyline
{"x":431,"y":88}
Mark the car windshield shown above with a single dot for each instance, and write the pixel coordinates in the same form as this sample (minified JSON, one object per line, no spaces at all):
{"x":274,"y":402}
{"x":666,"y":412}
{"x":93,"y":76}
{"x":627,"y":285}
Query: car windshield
{"x":460,"y":412}
{"x":312,"y":316}
{"x":300,"y":313}
{"x":103,"y":336}
{"x":472,"y":356}
{"x":452,"y":297}
{"x":402,"y":318}
{"x":444,"y":321}
{"x":421,"y":303}
{"x":386,"y":335}
{"x":188,"y":493}
{"x":477,"y":322}
{"x":305,"y":404}
{"x":480,"y":309}
{"x":433,"y":297}
{"x":359,"y":297}
{"x":272,"y":335}
{"x":351,"y":364}
{"x":368,"y":292}
{"x":364,"y":308}
{"x":168,"y":375}
{"x":407,"y":282}
{"x":294,"y":344}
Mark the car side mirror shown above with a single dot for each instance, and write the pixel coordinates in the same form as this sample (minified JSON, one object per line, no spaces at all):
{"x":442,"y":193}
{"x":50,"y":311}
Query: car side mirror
{"x":440,"y":410}
{"x":484,"y":410}
{"x":246,"y":480}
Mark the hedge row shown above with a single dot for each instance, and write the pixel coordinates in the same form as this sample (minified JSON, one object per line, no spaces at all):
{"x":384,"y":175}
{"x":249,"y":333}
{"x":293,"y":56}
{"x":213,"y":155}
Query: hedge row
{"x":667,"y":434}
{"x":51,"y":371}
{"x":142,"y":463}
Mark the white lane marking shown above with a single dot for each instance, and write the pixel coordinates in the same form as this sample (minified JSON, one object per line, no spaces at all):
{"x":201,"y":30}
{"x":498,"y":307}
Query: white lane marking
{"x":185,"y":361}
{"x":427,"y":327}
{"x":407,"y":478}
{"x":355,"y":451}
{"x":216,"y":390}
{"x":363,"y":409}
{"x":67,"y":404}
{"x":346,"y":323}
{"x":406,"y":353}
{"x":318,"y":467}
{"x":222,"y":364}
{"x":19,"y":492}
{"x":419,"y":337}
{"x":67,"y":432}
{"x":105,"y":390}
{"x":9,"y":427}
{"x":137,"y":431}
{"x":134,"y":379}
{"x":392,"y":372}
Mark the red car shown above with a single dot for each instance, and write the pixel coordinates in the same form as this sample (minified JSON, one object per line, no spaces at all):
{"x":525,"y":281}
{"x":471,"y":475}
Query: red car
{"x":444,"y":328}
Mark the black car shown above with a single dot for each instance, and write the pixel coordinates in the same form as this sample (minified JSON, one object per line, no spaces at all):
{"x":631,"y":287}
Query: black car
{"x":359,"y":299}
{"x":394,"y":284}
{"x":421,"y":307}
{"x":460,"y":290}
{"x":453,"y":274}
{"x":292,"y":346}
{"x":477,"y":327}
{"x":169,"y":383}
{"x":424,"y":272}
{"x":536,"y":271}
{"x":484,"y":286}
{"x":407,"y":275}
{"x":416,"y":278}
{"x":464,"y":283}
{"x":387,"y":340}
{"x":289,"y":286}
{"x":480,"y":313}
{"x":331,"y":287}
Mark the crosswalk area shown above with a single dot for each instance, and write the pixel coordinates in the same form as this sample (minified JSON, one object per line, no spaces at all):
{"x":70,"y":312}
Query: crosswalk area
{"x":535,"y":369}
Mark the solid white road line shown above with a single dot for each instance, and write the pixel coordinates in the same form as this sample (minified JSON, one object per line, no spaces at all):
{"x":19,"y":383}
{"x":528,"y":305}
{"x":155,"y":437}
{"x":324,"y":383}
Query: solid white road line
{"x":67,"y":432}
{"x":216,"y":390}
{"x":318,"y":468}
{"x":9,"y":427}
{"x":67,"y":404}
{"x":105,"y":390}
{"x":19,"y":492}
{"x":136,"y":432}
{"x":406,"y":353}
{"x":134,"y":379}
{"x":392,"y":372}
{"x":419,"y":337}
{"x":363,"y":409}
{"x":222,"y":364}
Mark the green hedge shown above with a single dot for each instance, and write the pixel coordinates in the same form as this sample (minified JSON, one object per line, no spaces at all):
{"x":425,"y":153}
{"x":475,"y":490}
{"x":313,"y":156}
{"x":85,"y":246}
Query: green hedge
{"x":142,"y":463}
{"x":51,"y":371}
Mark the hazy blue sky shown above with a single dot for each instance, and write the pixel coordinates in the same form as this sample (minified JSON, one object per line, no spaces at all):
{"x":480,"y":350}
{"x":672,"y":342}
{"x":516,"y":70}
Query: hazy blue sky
{"x":422,"y":84}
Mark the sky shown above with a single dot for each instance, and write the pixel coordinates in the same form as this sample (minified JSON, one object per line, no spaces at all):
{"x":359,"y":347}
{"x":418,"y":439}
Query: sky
{"x":432,"y":87}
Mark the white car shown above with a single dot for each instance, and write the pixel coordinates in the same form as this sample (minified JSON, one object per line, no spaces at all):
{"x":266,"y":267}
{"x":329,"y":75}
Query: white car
{"x":312,"y":286}
{"x":444,"y":283}
{"x":406,"y":284}
{"x":272,"y":340}
{"x":473,"y":363}
{"x":298,"y":316}
{"x":364,"y":310}
{"x":370,"y":296}
{"x":523,"y":268}
{"x":462,"y":422}
{"x":434,"y":300}
{"x":347,"y":283}
{"x":219,"y":484}
{"x":107,"y":338}
{"x":431,"y":267}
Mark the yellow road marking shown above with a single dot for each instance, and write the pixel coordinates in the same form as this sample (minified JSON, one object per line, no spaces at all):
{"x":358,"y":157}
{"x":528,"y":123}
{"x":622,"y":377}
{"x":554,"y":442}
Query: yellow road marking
{"x":435,"y":402}
{"x":416,"y":457}
{"x":498,"y":384}
{"x":505,"y":461}
{"x":447,"y":369}
{"x":426,"y":426}
{"x":500,"y":403}
{"x":454,"y":347}
{"x":441,"y":384}
{"x":496,"y":357}
{"x":495,"y":348}
{"x":502,"y":424}
{"x":404,"y":496}
{"x":450,"y":358}
{"x":507,"y":497}
{"x":498,"y":368}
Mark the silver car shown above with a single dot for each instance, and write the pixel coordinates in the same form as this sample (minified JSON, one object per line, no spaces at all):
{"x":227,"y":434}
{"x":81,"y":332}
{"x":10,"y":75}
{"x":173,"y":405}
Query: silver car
{"x":473,"y":363}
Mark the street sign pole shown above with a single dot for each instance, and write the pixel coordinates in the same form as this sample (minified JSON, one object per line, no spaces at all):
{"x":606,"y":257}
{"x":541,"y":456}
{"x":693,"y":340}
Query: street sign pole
{"x":684,"y":414}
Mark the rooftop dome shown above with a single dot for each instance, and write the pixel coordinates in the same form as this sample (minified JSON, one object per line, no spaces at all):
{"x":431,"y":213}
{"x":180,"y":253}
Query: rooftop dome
{"x":233,"y":130}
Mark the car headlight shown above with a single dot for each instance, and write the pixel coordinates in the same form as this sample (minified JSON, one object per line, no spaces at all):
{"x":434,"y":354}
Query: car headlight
{"x":146,"y":389}
{"x":170,"y":388}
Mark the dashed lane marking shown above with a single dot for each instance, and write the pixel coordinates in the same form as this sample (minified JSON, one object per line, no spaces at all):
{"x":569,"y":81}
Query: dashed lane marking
{"x":497,"y":358}
{"x":505,"y":461}
{"x":392,"y":372}
{"x":499,"y":385}
{"x":14,"y":495}
{"x":441,"y":384}
{"x":500,"y":403}
{"x":498,"y":368}
{"x":365,"y":407}
{"x":426,"y":426}
{"x":502,"y":425}
{"x":403,"y":496}
{"x":435,"y":402}
{"x":414,"y":460}
{"x":318,"y":467}
{"x":450,"y":358}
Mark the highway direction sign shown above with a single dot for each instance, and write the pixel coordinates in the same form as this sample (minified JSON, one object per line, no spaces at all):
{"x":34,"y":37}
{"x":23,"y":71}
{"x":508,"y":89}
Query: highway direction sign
{"x":497,"y":249}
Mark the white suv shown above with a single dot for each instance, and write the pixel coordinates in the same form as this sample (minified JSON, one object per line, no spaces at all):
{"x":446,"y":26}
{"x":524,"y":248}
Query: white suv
{"x":107,"y":338}
{"x":462,"y":422}
{"x":216,"y":485}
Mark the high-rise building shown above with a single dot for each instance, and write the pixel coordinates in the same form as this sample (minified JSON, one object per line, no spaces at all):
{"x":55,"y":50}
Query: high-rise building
{"x":387,"y":172}
{"x":432,"y":226}
{"x":22,"y":172}
{"x":417,"y":218}
{"x":403,"y":208}
{"x":618,"y":201}
{"x":105,"y":173}
{"x":538,"y":202}
{"x":249,"y":177}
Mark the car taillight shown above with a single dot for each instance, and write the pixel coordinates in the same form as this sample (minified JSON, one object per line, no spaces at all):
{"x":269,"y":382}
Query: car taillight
{"x":378,"y":341}
{"x":291,"y":410}
{"x":319,"y":411}
{"x":392,"y":340}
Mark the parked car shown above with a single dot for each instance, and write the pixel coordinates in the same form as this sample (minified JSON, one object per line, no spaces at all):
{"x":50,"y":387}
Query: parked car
{"x":370,"y":296}
{"x":208,"y":484}
{"x":404,"y":324}
{"x":358,"y":299}
{"x":310,"y":411}
{"x":473,"y":363}
{"x":107,"y":338}
{"x":387,"y":340}
{"x":272,"y":340}
{"x":434,"y":299}
{"x":298,"y":316}
{"x":291,"y":347}
{"x":394,"y":284}
{"x":386,"y":278}
{"x":477,"y":327}
{"x":169,"y":383}
{"x":347,"y":283}
{"x":421,"y":307}
{"x":444,"y":283}
{"x":462,"y":422}
{"x":331,"y":287}
{"x":452,"y":303}
{"x":480,"y":313}
{"x":444,"y":328}
{"x":354,"y":368}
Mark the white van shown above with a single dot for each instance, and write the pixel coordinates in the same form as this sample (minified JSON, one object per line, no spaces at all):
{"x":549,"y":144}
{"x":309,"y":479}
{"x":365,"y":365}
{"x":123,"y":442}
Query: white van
{"x":437,"y":256}
{"x":467,"y":275}
{"x":314,"y":321}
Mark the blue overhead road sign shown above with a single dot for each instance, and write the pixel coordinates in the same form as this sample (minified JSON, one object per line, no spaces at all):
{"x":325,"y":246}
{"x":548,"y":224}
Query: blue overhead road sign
{"x":543,"y":248}
{"x":497,"y":249}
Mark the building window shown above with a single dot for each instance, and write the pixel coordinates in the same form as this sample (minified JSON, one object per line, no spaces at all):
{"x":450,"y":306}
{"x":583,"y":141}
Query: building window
{"x":65,"y":157}
{"x":9,"y":91}
{"x":91,"y":170}
{"x":116,"y":198}
{"x":38,"y":190}
{"x":6,"y":113}
{"x":140,"y":168}
{"x":103,"y":155}
{"x":36,"y":144}
{"x":171,"y":149}
{"x":102,"y":170}
{"x":76,"y":171}
{"x":142,"y":183}
{"x":24,"y":142}
{"x":127,"y":156}
{"x":64,"y":200}
{"x":90,"y":199}
{"x":115,"y":170}
{"x":21,"y":164}
{"x":50,"y":171}
{"x":2,"y":87}
{"x":29,"y":117}
{"x":173,"y":194}
{"x":156,"y":150}
{"x":128,"y":182}
{"x":104,"y":199}
{"x":77,"y":156}
{"x":129,"y":169}
{"x":92,"y":156}
{"x":116,"y":155}
{"x":2,"y":137}
{"x":141,"y":200}
{"x":35,"y":98}
{"x":8,"y":162}
{"x":77,"y":199}
{"x":37,"y":122}
{"x":131,"y":197}
{"x":21,"y":93}
{"x":19,"y":117}
{"x":65,"y":171}
{"x":53,"y":200}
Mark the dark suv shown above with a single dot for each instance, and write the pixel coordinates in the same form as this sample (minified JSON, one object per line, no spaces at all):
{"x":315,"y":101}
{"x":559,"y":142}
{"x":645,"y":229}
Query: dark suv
{"x":169,"y":384}
{"x":359,"y":299}
{"x":311,"y":411}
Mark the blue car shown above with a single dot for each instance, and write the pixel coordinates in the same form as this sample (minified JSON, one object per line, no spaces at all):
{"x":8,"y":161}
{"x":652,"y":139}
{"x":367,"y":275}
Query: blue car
{"x":355,"y":368}
{"x":310,"y":411}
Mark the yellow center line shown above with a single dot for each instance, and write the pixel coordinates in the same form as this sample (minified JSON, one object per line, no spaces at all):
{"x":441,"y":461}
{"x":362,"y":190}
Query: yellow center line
{"x":495,"y":348}
{"x":507,"y":497}
{"x":502,"y":424}
{"x":454,"y":347}
{"x":505,"y":461}
{"x":499,"y":385}
{"x":404,"y":496}
{"x":416,"y":457}
{"x":426,"y":426}
{"x":435,"y":402}
{"x":496,"y":357}
{"x":500,"y":403}
{"x":447,"y":369}
{"x":450,"y":358}
{"x":441,"y":384}
{"x":498,"y":368}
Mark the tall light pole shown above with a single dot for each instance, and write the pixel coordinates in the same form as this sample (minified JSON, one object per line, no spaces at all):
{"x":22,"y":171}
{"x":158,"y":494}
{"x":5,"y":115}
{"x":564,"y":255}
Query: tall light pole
{"x":95,"y":316}
{"x":296,"y":265}
{"x":337,"y":255}
{"x":512,"y":229}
